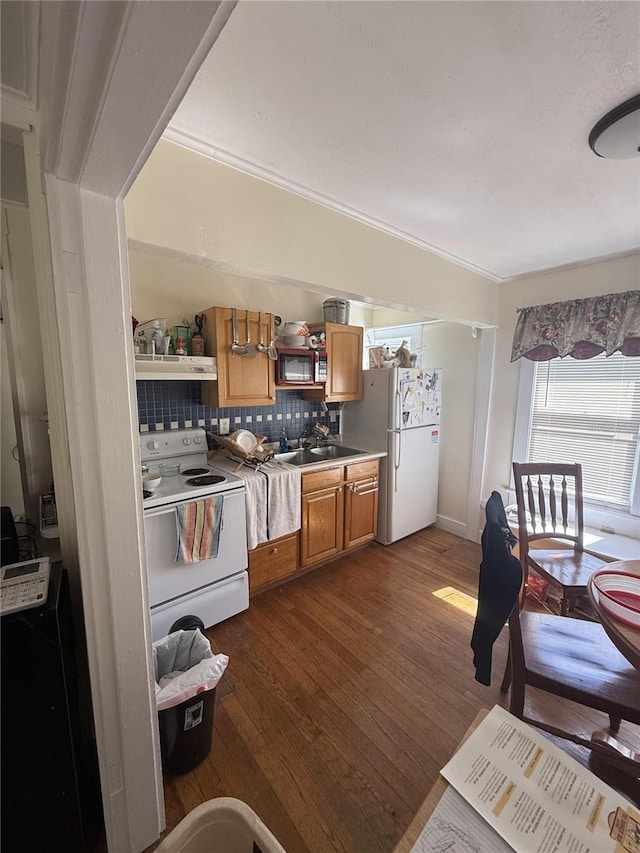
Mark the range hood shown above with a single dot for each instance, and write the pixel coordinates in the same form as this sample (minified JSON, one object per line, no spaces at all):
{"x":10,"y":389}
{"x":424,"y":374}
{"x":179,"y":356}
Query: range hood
{"x":175,"y":367}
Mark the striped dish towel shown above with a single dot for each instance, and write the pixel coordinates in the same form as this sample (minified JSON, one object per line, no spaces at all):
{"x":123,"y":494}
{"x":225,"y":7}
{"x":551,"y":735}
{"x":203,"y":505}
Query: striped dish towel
{"x":199,"y":524}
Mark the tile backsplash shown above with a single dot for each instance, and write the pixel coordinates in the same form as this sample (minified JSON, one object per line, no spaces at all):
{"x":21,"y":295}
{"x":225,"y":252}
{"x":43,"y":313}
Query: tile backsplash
{"x":175,"y":404}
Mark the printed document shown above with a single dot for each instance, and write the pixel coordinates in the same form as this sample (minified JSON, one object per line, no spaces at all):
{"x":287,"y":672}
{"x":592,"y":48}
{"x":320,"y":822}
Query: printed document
{"x":538,"y":798}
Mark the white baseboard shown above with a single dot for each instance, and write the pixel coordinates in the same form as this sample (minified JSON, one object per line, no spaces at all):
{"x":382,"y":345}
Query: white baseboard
{"x":451,"y":525}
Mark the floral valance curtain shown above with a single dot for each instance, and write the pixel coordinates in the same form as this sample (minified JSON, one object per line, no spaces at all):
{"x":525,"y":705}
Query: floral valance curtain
{"x":580,"y":328}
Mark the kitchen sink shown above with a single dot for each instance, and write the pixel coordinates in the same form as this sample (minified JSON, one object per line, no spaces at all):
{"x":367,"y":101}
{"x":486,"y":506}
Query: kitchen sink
{"x":316,"y":454}
{"x":334,"y":451}
{"x":295,"y":457}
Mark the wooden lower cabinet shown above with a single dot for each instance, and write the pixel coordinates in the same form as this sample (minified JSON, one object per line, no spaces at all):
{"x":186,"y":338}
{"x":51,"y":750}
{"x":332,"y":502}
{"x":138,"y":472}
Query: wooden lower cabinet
{"x":322,"y":525}
{"x":339,"y":510}
{"x":361,"y":504}
{"x":339,"y":513}
{"x":273,"y":561}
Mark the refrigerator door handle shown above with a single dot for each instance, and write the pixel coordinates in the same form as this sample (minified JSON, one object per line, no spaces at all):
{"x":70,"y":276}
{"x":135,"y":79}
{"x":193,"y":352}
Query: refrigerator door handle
{"x":398,"y":455}
{"x":398,"y":410}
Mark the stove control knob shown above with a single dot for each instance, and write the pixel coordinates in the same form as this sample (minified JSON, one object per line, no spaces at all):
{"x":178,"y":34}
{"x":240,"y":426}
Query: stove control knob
{"x":197,"y":439}
{"x":153,"y":445}
{"x":186,"y":440}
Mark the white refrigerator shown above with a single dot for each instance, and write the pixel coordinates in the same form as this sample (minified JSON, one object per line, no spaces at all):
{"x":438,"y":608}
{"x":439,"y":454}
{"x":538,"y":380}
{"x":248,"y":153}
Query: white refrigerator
{"x":400,"y":413}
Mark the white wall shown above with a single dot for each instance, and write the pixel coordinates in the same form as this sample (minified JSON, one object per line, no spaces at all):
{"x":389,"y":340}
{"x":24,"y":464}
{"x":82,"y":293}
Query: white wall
{"x":205,"y":210}
{"x":387,"y":317}
{"x":453,"y":348}
{"x":10,"y":483}
{"x":581,"y":282}
{"x":13,"y":179}
{"x":20,"y":307}
{"x":164,"y":287}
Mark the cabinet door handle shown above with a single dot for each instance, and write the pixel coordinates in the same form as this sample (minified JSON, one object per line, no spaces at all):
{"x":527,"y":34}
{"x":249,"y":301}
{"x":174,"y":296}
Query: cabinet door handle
{"x":274,"y":550}
{"x":368,"y":484}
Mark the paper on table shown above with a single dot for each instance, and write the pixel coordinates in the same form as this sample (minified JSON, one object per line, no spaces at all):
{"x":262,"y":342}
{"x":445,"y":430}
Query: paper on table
{"x":537,"y":797}
{"x":455,"y":825}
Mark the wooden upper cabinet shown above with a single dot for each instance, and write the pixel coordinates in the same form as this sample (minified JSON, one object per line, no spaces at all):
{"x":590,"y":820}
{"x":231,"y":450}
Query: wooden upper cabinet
{"x":344,"y":363}
{"x":242,"y":381}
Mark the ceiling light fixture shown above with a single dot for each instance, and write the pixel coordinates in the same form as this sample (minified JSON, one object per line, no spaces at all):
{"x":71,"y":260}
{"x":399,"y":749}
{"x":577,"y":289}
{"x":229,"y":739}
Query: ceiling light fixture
{"x":617,"y":135}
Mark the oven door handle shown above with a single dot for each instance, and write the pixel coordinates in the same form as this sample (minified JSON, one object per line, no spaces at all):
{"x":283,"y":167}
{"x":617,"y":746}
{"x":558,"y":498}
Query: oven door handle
{"x":152,"y":512}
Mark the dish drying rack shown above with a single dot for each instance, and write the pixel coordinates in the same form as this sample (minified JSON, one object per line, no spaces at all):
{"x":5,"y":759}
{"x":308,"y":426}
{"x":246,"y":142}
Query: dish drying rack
{"x":253,"y":457}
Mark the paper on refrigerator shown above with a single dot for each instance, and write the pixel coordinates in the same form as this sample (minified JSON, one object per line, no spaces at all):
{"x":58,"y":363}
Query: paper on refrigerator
{"x":420,"y":397}
{"x":538,"y":798}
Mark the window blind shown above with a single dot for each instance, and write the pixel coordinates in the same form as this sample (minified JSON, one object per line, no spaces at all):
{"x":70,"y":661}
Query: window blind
{"x":589,"y":412}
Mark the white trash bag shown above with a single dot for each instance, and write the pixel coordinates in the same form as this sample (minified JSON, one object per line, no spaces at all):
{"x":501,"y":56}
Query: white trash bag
{"x":184,"y":666}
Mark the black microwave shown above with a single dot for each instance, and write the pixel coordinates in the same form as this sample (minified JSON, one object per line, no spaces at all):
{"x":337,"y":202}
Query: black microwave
{"x":301,"y":367}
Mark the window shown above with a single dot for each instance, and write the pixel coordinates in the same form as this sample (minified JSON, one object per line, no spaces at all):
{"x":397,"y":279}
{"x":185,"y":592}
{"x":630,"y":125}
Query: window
{"x":392,"y":337}
{"x":588,"y":412}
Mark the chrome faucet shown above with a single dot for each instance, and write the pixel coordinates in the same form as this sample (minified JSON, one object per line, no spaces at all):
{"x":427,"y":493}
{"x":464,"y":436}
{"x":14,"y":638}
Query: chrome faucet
{"x":301,"y":440}
{"x":315,"y":439}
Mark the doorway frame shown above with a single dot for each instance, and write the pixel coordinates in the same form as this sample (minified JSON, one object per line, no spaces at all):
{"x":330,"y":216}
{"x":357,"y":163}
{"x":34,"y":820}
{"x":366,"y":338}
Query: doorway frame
{"x":101,"y":112}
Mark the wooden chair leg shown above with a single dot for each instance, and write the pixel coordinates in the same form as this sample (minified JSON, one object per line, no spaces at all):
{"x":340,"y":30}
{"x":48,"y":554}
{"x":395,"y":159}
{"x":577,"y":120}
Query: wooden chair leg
{"x":516,"y":676}
{"x":516,"y":703}
{"x":614,"y":724}
{"x":506,"y":678}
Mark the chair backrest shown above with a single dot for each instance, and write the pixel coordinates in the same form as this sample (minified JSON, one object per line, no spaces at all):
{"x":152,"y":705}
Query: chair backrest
{"x":549,"y":501}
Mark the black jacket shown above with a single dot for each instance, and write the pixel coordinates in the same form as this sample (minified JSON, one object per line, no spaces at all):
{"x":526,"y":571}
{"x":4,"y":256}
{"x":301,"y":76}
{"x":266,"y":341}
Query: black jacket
{"x":498,"y":589}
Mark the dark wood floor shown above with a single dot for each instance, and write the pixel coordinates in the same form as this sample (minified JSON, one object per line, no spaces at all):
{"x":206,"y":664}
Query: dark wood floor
{"x":346,"y":691}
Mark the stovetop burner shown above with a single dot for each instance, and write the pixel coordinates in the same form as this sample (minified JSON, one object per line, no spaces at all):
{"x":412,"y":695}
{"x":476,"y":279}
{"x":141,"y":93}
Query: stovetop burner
{"x":208,"y":480}
{"x":193,"y":472}
{"x":146,"y":494}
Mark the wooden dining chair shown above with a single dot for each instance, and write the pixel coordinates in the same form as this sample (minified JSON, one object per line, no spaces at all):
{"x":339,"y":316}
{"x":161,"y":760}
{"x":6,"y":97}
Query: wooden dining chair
{"x":570,"y":658}
{"x":549,"y":502}
{"x":576,"y":660}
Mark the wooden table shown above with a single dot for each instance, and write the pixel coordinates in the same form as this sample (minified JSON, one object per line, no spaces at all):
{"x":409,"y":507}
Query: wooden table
{"x":625,"y":638}
{"x":440,"y":785}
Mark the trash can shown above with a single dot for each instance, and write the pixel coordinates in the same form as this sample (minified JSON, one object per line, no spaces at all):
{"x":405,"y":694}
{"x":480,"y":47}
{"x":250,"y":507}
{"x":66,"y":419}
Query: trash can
{"x":186,"y":674}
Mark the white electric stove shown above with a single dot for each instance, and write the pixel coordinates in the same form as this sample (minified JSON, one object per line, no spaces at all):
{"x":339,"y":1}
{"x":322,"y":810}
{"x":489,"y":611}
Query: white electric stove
{"x":212,"y":589}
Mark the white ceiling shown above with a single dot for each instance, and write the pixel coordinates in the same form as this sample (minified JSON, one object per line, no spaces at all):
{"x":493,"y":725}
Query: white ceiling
{"x":460,"y":126}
